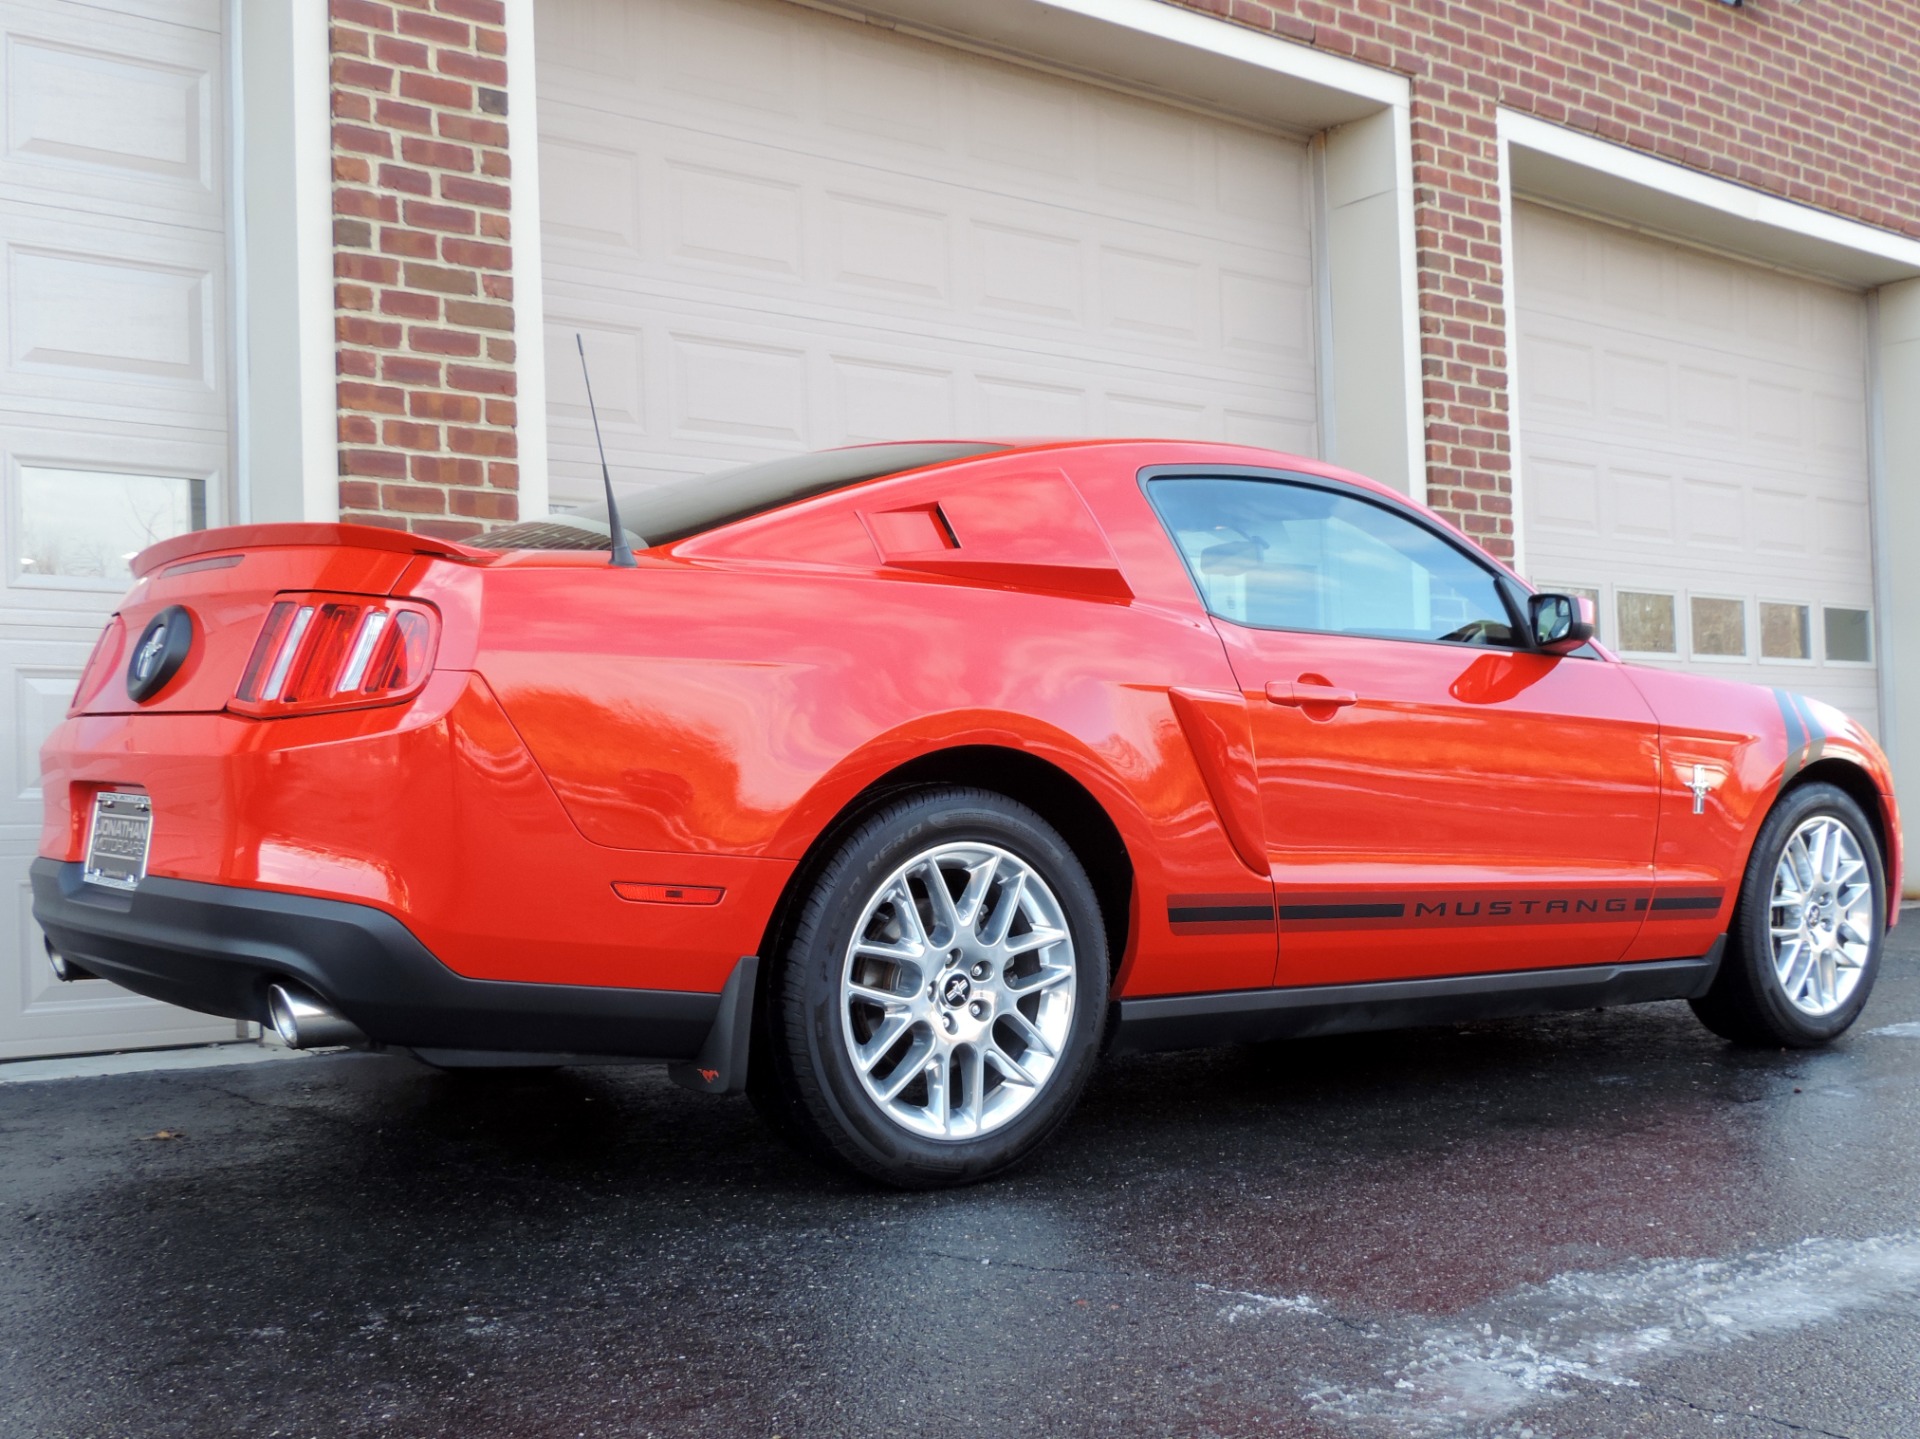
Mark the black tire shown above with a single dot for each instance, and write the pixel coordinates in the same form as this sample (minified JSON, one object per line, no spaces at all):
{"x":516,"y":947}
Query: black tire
{"x":1748,"y":1004}
{"x":805,"y":1079}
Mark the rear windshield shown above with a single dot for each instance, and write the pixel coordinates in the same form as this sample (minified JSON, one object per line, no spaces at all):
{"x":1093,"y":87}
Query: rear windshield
{"x":665,"y":513}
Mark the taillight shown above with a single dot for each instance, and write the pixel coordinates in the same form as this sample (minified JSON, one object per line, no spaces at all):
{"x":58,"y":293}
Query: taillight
{"x":327,"y":652}
{"x":100,"y":664}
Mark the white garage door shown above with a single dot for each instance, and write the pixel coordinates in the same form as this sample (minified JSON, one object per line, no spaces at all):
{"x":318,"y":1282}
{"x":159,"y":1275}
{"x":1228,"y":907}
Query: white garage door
{"x":1693,"y":438}
{"x":780,"y":229}
{"x":113,"y":402}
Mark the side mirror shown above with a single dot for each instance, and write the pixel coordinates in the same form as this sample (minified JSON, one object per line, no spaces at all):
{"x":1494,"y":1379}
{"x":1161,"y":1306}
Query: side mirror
{"x":1560,"y":624}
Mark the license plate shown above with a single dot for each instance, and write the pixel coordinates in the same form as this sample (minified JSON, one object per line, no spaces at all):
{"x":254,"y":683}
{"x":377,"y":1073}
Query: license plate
{"x":117,"y":843}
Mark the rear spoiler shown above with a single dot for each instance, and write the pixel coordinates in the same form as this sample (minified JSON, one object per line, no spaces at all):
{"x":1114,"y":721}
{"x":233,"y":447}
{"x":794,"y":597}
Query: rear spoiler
{"x":261,"y":537}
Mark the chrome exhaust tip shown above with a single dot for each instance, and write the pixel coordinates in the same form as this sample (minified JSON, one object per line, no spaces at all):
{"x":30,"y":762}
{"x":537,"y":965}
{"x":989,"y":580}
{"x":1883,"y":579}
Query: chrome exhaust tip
{"x":303,"y":1022}
{"x":64,"y":969}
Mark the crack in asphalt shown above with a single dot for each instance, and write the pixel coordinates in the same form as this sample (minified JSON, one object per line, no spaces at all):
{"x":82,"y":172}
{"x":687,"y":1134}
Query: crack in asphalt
{"x":1721,"y":1415}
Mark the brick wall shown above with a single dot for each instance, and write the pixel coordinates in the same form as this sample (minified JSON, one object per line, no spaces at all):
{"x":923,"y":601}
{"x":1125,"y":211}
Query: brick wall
{"x":422,"y":263}
{"x":1814,"y":100}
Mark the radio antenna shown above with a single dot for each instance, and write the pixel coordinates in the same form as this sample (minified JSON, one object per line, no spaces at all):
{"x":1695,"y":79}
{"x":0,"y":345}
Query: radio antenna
{"x":622,"y":554}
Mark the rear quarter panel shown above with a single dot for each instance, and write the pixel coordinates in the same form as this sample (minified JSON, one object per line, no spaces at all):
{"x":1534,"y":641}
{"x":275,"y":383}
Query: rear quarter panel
{"x":733,"y":703}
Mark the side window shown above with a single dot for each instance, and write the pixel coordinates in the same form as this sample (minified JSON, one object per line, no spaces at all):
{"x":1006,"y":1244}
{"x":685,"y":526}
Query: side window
{"x":1293,"y":557}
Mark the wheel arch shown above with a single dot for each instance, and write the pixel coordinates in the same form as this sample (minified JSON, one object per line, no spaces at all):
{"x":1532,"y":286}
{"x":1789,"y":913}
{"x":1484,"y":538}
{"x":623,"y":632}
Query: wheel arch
{"x":1852,"y":780}
{"x":1037,"y":782}
{"x":1857,"y":781}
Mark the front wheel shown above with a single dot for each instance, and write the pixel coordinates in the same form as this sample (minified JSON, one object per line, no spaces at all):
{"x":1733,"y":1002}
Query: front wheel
{"x":1805,"y":943}
{"x":940,"y":1006}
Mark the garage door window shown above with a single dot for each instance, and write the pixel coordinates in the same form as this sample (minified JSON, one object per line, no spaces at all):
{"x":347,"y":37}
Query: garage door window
{"x":1646,"y":622}
{"x":1849,"y":636}
{"x":81,"y":525}
{"x":1295,"y":557}
{"x":1719,"y":627}
{"x":1785,"y":631}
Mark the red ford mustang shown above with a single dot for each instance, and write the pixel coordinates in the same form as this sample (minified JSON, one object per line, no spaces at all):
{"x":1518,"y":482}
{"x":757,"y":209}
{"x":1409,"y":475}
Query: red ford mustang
{"x":892,"y":783}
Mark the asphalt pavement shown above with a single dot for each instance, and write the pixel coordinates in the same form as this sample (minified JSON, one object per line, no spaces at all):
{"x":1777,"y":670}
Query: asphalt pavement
{"x":1602,"y":1224}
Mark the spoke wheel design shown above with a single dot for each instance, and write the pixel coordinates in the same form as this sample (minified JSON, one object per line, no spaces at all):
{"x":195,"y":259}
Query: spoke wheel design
{"x":957,"y":991}
{"x":1821,"y":916}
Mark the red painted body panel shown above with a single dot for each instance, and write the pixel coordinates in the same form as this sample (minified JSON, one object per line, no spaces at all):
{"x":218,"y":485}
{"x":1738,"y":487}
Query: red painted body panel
{"x":698,"y":721}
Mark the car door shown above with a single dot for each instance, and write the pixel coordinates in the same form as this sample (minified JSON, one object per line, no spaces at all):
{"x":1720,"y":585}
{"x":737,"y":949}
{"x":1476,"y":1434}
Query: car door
{"x":1439,"y":798}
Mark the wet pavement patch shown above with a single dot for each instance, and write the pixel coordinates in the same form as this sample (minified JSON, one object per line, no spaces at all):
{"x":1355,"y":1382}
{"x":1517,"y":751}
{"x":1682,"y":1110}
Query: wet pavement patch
{"x":1591,"y":1225}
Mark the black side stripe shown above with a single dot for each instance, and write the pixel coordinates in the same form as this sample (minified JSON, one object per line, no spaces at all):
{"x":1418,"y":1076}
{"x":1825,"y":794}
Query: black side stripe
{"x":1219,"y":913}
{"x":1816,"y":732}
{"x":1796,"y":735}
{"x":1343,"y":911}
{"x":1689,"y":901}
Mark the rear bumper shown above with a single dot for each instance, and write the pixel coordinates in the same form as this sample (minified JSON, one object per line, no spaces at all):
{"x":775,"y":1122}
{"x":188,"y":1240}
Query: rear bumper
{"x":215,"y":948}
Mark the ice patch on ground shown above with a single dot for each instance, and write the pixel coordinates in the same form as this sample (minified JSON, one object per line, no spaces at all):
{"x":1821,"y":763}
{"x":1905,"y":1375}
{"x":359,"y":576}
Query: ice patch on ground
{"x":1909,"y":1030}
{"x":1532,"y":1346}
{"x":1249,"y":1305}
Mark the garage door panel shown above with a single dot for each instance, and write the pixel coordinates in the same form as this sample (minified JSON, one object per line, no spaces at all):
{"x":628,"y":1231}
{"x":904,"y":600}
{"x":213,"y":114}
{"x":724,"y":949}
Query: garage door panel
{"x":104,"y":114}
{"x":114,"y":319}
{"x":1693,"y":426}
{"x":113,"y":402}
{"x":751,"y":221}
{"x":784,"y":229}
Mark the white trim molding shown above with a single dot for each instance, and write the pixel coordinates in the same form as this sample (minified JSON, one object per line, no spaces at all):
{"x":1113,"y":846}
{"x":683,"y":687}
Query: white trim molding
{"x":287,"y":428}
{"x":529,"y":294}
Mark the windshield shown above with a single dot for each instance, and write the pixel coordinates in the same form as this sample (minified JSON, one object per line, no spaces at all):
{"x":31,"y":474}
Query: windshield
{"x":665,"y":513}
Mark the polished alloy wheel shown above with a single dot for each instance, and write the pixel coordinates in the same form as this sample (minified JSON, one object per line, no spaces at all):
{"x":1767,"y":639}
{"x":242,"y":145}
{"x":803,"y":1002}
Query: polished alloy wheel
{"x":1822,"y":916}
{"x":958,"y":989}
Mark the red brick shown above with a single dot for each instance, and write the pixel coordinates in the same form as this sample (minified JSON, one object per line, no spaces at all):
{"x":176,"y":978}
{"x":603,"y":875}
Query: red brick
{"x":360,"y":330}
{"x":476,"y":254}
{"x":437,"y":28}
{"x":472,"y":130}
{"x":410,"y":305}
{"x":374,"y":464}
{"x":380,"y":399}
{"x":458,"y":343}
{"x":427,"y":216}
{"x":480,"y":381}
{"x":449,"y":529}
{"x":436,"y":90}
{"x":487,"y":12}
{"x":403,"y":369}
{"x":370,"y":13}
{"x":485,"y":504}
{"x":446,"y":470}
{"x":441,"y":279}
{"x":362,"y":140}
{"x":413,"y":499}
{"x":464,"y":191}
{"x":433,"y":405}
{"x":406,"y":435}
{"x":482,"y":69}
{"x":475,"y":316}
{"x":436,"y":153}
{"x":495,"y":444}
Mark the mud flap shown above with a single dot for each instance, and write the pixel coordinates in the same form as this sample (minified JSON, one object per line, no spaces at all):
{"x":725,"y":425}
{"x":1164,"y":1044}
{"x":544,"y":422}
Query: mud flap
{"x":721,"y":1066}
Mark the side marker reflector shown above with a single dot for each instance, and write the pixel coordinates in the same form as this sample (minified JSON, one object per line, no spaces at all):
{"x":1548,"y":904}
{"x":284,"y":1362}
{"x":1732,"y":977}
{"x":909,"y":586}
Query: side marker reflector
{"x":667,"y":893}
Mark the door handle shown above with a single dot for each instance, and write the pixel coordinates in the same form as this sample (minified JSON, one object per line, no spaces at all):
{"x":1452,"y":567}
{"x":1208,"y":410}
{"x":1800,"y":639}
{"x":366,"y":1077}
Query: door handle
{"x":1299,"y":693}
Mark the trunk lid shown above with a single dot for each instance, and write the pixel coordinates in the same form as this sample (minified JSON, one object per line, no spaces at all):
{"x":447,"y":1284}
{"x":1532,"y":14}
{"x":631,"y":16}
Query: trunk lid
{"x":227,"y":580}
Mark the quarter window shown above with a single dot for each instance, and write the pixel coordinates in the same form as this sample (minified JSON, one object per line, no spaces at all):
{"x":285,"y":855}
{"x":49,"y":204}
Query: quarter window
{"x":1295,"y":557}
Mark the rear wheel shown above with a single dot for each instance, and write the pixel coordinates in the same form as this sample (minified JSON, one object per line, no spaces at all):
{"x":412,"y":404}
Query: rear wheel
{"x":1805,"y":943}
{"x":939,"y":1008}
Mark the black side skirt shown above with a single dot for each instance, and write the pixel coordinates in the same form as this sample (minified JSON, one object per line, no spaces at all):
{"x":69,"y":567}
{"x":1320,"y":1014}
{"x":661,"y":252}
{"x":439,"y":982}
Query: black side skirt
{"x":1245,"y":1016}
